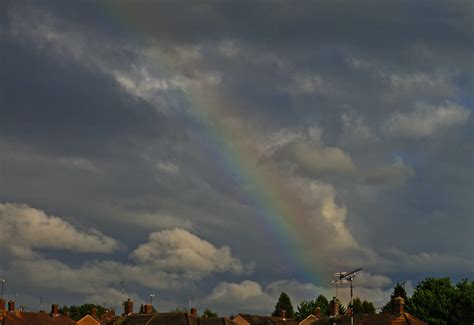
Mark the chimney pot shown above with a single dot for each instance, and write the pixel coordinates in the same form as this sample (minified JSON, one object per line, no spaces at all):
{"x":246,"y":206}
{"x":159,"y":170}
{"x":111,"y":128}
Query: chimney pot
{"x":11,"y":306}
{"x":398,"y":305}
{"x":334,"y":307}
{"x":317,"y":312}
{"x":54,"y":309}
{"x":148,"y":309}
{"x":193,"y":312}
{"x":128,"y":307}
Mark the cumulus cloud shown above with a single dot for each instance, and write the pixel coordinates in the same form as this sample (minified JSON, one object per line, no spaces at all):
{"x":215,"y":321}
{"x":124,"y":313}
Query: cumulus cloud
{"x":249,"y":296}
{"x":426,"y":120}
{"x":315,"y":159}
{"x":25,"y":229}
{"x":178,"y":249}
{"x":397,"y":174}
{"x":170,"y":259}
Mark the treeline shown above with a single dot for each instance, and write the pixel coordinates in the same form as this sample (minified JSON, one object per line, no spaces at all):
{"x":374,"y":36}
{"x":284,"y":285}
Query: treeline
{"x":434,"y":300}
{"x":307,"y":307}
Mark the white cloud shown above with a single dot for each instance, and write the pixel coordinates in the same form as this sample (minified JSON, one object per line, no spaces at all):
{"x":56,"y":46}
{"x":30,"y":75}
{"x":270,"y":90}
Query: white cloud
{"x":249,"y":296}
{"x":355,"y":130}
{"x":426,"y":120}
{"x":301,"y":84}
{"x":25,"y":229}
{"x":314,"y":159}
{"x":179,"y":250}
{"x":397,"y":174}
{"x":167,"y":167}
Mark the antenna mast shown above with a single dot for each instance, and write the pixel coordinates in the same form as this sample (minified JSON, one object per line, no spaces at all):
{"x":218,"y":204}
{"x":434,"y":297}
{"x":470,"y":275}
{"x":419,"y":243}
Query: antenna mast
{"x":344,"y":277}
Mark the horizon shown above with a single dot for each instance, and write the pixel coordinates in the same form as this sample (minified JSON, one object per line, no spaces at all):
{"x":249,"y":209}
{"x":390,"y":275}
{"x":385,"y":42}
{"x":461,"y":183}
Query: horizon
{"x":225,"y":152}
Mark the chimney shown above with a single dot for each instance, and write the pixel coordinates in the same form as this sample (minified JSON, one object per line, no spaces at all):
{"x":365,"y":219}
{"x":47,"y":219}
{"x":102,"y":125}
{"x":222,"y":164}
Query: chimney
{"x":334,"y":307}
{"x":54,"y":310}
{"x":398,"y":304}
{"x":317,"y":312}
{"x":193,"y":312}
{"x":94,"y":312}
{"x":2,"y":304}
{"x":128,"y":307}
{"x":11,"y":306}
{"x":283,"y":313}
{"x":148,"y":309}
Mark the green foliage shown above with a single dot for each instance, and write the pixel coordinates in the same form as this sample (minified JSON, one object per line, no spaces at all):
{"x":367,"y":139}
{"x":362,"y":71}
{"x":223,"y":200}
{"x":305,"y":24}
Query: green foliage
{"x":438,"y":302}
{"x":357,"y":306}
{"x":284,"y":304}
{"x":360,"y":307}
{"x":209,"y":313}
{"x":463,"y":303}
{"x":342,"y":309}
{"x":431,"y":300}
{"x":368,"y":307}
{"x":398,"y":291}
{"x":307,"y":308}
{"x":179,"y":309}
{"x":77,"y":312}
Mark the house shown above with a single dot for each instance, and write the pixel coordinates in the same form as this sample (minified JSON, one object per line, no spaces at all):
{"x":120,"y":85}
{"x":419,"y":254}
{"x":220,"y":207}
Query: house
{"x":399,"y":317}
{"x":150,"y":317}
{"x":247,"y":319}
{"x":312,"y":318}
{"x":11,"y":316}
{"x":89,"y":320}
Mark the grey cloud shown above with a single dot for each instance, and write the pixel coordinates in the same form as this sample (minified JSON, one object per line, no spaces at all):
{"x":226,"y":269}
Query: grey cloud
{"x":26,"y":229}
{"x":426,"y":120}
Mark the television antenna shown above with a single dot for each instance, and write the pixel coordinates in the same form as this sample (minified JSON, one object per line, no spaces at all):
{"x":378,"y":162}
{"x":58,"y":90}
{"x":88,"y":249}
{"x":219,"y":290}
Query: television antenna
{"x":345,"y":277}
{"x":3,"y":284}
{"x":123,"y":291}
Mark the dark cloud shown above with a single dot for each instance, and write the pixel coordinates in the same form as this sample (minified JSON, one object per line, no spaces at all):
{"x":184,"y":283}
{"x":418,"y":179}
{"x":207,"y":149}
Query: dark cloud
{"x":361,"y":114}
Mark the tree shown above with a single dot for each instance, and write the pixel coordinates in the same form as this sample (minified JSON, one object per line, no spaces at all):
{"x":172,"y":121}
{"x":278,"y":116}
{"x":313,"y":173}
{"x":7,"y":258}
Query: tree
{"x":357,"y":306}
{"x":307,"y":308}
{"x":398,"y":291}
{"x":209,"y":313}
{"x":463,"y":303}
{"x":77,"y":312}
{"x":323,"y":303}
{"x":368,"y":307}
{"x":432,"y":301}
{"x":284,"y":304}
{"x":179,"y":310}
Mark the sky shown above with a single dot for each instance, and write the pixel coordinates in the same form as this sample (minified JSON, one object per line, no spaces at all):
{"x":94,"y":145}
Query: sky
{"x":225,"y":151}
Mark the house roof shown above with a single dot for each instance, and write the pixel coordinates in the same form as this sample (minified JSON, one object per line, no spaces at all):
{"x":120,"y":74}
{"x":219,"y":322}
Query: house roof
{"x":169,"y":319}
{"x":88,"y":319}
{"x":22,"y":318}
{"x":387,"y":319}
{"x":269,"y":320}
{"x":310,"y":316}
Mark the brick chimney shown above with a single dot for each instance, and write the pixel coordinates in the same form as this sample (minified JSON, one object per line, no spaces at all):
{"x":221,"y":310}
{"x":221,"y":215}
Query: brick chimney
{"x":148,"y":309}
{"x":2,"y":304}
{"x":317,"y":312}
{"x":334,"y":307}
{"x":11,"y":306}
{"x":194,"y":312}
{"x":398,"y":305}
{"x":128,"y":307}
{"x":54,"y":310}
{"x":94,"y":312}
{"x":283,"y":313}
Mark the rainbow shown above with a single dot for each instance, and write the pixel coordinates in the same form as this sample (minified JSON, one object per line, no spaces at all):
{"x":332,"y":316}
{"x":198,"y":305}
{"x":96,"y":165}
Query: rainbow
{"x":279,"y":210}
